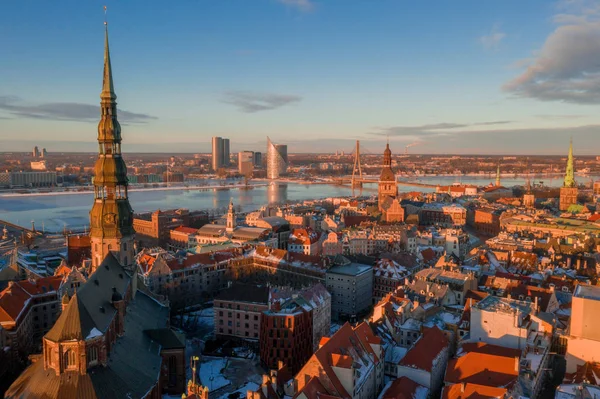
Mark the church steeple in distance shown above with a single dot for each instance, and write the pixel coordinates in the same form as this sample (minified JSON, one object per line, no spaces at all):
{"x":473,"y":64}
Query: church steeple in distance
{"x":111,"y":217}
{"x":570,"y":172}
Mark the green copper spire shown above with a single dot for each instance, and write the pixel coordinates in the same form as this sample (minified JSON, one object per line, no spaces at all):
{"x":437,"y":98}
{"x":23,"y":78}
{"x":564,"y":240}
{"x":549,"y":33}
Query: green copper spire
{"x":498,"y":175}
{"x":108,"y":90}
{"x":570,"y":173}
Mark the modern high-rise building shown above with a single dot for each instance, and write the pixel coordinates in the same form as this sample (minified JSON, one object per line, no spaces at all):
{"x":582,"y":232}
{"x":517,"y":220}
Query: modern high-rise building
{"x":44,"y":153}
{"x":245,"y":162}
{"x":257,"y":158}
{"x":111,"y":217}
{"x":226,"y":153}
{"x":36,"y":152}
{"x":277,"y":159}
{"x":217,"y":153}
{"x":568,"y":192}
{"x":220,"y":153}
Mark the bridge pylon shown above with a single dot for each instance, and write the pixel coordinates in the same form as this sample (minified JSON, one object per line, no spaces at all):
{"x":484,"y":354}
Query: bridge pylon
{"x":357,"y":170}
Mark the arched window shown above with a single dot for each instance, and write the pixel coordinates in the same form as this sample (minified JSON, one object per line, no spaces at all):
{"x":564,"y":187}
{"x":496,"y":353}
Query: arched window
{"x":69,"y":360}
{"x":92,"y":355}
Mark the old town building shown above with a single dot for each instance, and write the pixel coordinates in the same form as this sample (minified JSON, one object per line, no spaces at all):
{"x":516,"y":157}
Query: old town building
{"x":387,"y":188}
{"x":28,"y":309}
{"x":349,"y":364}
{"x":238,"y":309}
{"x":186,"y":280}
{"x":569,"y":191}
{"x":351,"y":288}
{"x":109,"y":332}
{"x":154,"y":228}
{"x":286,"y":334}
{"x":443,"y":215}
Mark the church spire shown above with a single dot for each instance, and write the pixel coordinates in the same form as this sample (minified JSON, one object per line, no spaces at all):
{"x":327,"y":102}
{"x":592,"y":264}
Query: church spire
{"x":111,"y":217}
{"x":108,"y":89}
{"x":570,"y":173}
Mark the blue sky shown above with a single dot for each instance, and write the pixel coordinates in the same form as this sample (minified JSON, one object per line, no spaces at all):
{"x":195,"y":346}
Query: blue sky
{"x":469,"y":76}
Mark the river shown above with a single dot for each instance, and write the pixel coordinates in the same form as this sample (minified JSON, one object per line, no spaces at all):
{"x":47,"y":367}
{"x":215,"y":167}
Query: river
{"x":54,"y":212}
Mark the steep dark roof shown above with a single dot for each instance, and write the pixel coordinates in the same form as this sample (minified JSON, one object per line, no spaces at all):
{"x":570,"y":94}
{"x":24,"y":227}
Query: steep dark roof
{"x":133,"y":366}
{"x":166,"y":338}
{"x":91,"y":307}
{"x":245,"y":293}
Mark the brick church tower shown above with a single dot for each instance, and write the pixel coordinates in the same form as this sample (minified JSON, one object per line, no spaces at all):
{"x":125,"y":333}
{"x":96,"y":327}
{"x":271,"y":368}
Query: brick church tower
{"x":568,"y":192}
{"x":387,"y":179}
{"x":111,"y":217}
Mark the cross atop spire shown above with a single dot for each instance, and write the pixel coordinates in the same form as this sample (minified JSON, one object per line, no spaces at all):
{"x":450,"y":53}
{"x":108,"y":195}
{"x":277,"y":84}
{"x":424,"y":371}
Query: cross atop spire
{"x":570,"y":172}
{"x":108,"y":90}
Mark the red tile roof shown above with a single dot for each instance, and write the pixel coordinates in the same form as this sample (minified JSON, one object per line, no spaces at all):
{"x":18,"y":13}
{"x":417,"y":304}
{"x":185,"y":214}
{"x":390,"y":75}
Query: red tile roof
{"x":342,"y":361}
{"x":425,"y":350}
{"x":347,"y":339}
{"x":402,"y":388}
{"x":485,"y":368}
{"x":185,"y":230}
{"x":472,"y":391}
{"x":14,"y":298}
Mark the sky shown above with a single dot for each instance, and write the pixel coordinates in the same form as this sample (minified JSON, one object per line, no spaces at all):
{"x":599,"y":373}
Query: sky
{"x":443,"y":76}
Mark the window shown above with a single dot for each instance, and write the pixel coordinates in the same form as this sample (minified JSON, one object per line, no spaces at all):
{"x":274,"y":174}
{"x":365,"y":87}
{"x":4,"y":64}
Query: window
{"x":172,"y":371}
{"x":69,"y":360}
{"x":92,"y":355}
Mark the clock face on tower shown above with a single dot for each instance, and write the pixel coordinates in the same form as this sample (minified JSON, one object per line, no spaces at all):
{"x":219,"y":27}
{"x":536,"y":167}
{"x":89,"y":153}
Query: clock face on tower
{"x":110,"y":218}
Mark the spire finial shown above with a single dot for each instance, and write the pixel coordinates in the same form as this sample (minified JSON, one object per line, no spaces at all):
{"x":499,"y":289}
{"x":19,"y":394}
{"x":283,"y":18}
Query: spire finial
{"x":108,"y":91}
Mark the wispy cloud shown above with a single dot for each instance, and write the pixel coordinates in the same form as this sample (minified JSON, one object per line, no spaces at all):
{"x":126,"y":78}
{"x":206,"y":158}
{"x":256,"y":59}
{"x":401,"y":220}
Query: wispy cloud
{"x":254,"y":102}
{"x":492,"y":40}
{"x":567,"y":67}
{"x":57,"y":111}
{"x":435,"y":129}
{"x":560,"y":117}
{"x":302,"y":5}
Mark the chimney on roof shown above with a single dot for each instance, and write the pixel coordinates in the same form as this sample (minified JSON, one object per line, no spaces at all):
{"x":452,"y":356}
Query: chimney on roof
{"x":516,"y":364}
{"x":535,"y":305}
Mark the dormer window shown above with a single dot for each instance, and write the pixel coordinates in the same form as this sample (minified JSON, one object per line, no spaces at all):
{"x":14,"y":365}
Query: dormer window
{"x":92,"y":355}
{"x":69,"y":360}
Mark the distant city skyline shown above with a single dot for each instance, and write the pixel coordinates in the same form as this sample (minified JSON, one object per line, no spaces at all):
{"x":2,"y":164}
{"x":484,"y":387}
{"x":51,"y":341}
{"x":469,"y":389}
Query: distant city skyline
{"x":470,"y":78}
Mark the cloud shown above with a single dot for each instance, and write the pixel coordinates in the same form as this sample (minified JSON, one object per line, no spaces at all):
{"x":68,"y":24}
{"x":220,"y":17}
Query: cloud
{"x":64,"y":111}
{"x":302,"y":5}
{"x":492,"y":40}
{"x":250,"y":102}
{"x":436,"y":129}
{"x":567,"y":67}
{"x":560,"y":117}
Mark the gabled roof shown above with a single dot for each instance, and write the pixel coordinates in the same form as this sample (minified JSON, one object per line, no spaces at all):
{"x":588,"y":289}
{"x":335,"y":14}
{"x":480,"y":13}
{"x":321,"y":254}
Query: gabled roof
{"x":15,"y":297}
{"x":488,"y":365}
{"x":74,"y":323}
{"x":427,"y":348}
{"x":404,"y":388}
{"x":472,"y":391}
{"x":354,"y":343}
{"x":92,"y":306}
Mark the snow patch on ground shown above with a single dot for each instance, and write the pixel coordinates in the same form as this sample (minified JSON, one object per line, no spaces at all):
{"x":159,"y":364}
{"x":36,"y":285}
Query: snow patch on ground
{"x":211,"y":375}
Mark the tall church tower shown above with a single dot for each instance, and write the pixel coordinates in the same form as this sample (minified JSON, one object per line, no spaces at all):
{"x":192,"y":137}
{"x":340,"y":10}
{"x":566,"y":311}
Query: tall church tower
{"x":231,"y":220}
{"x":111,"y":217}
{"x":568,"y":192}
{"x":387,"y":179}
